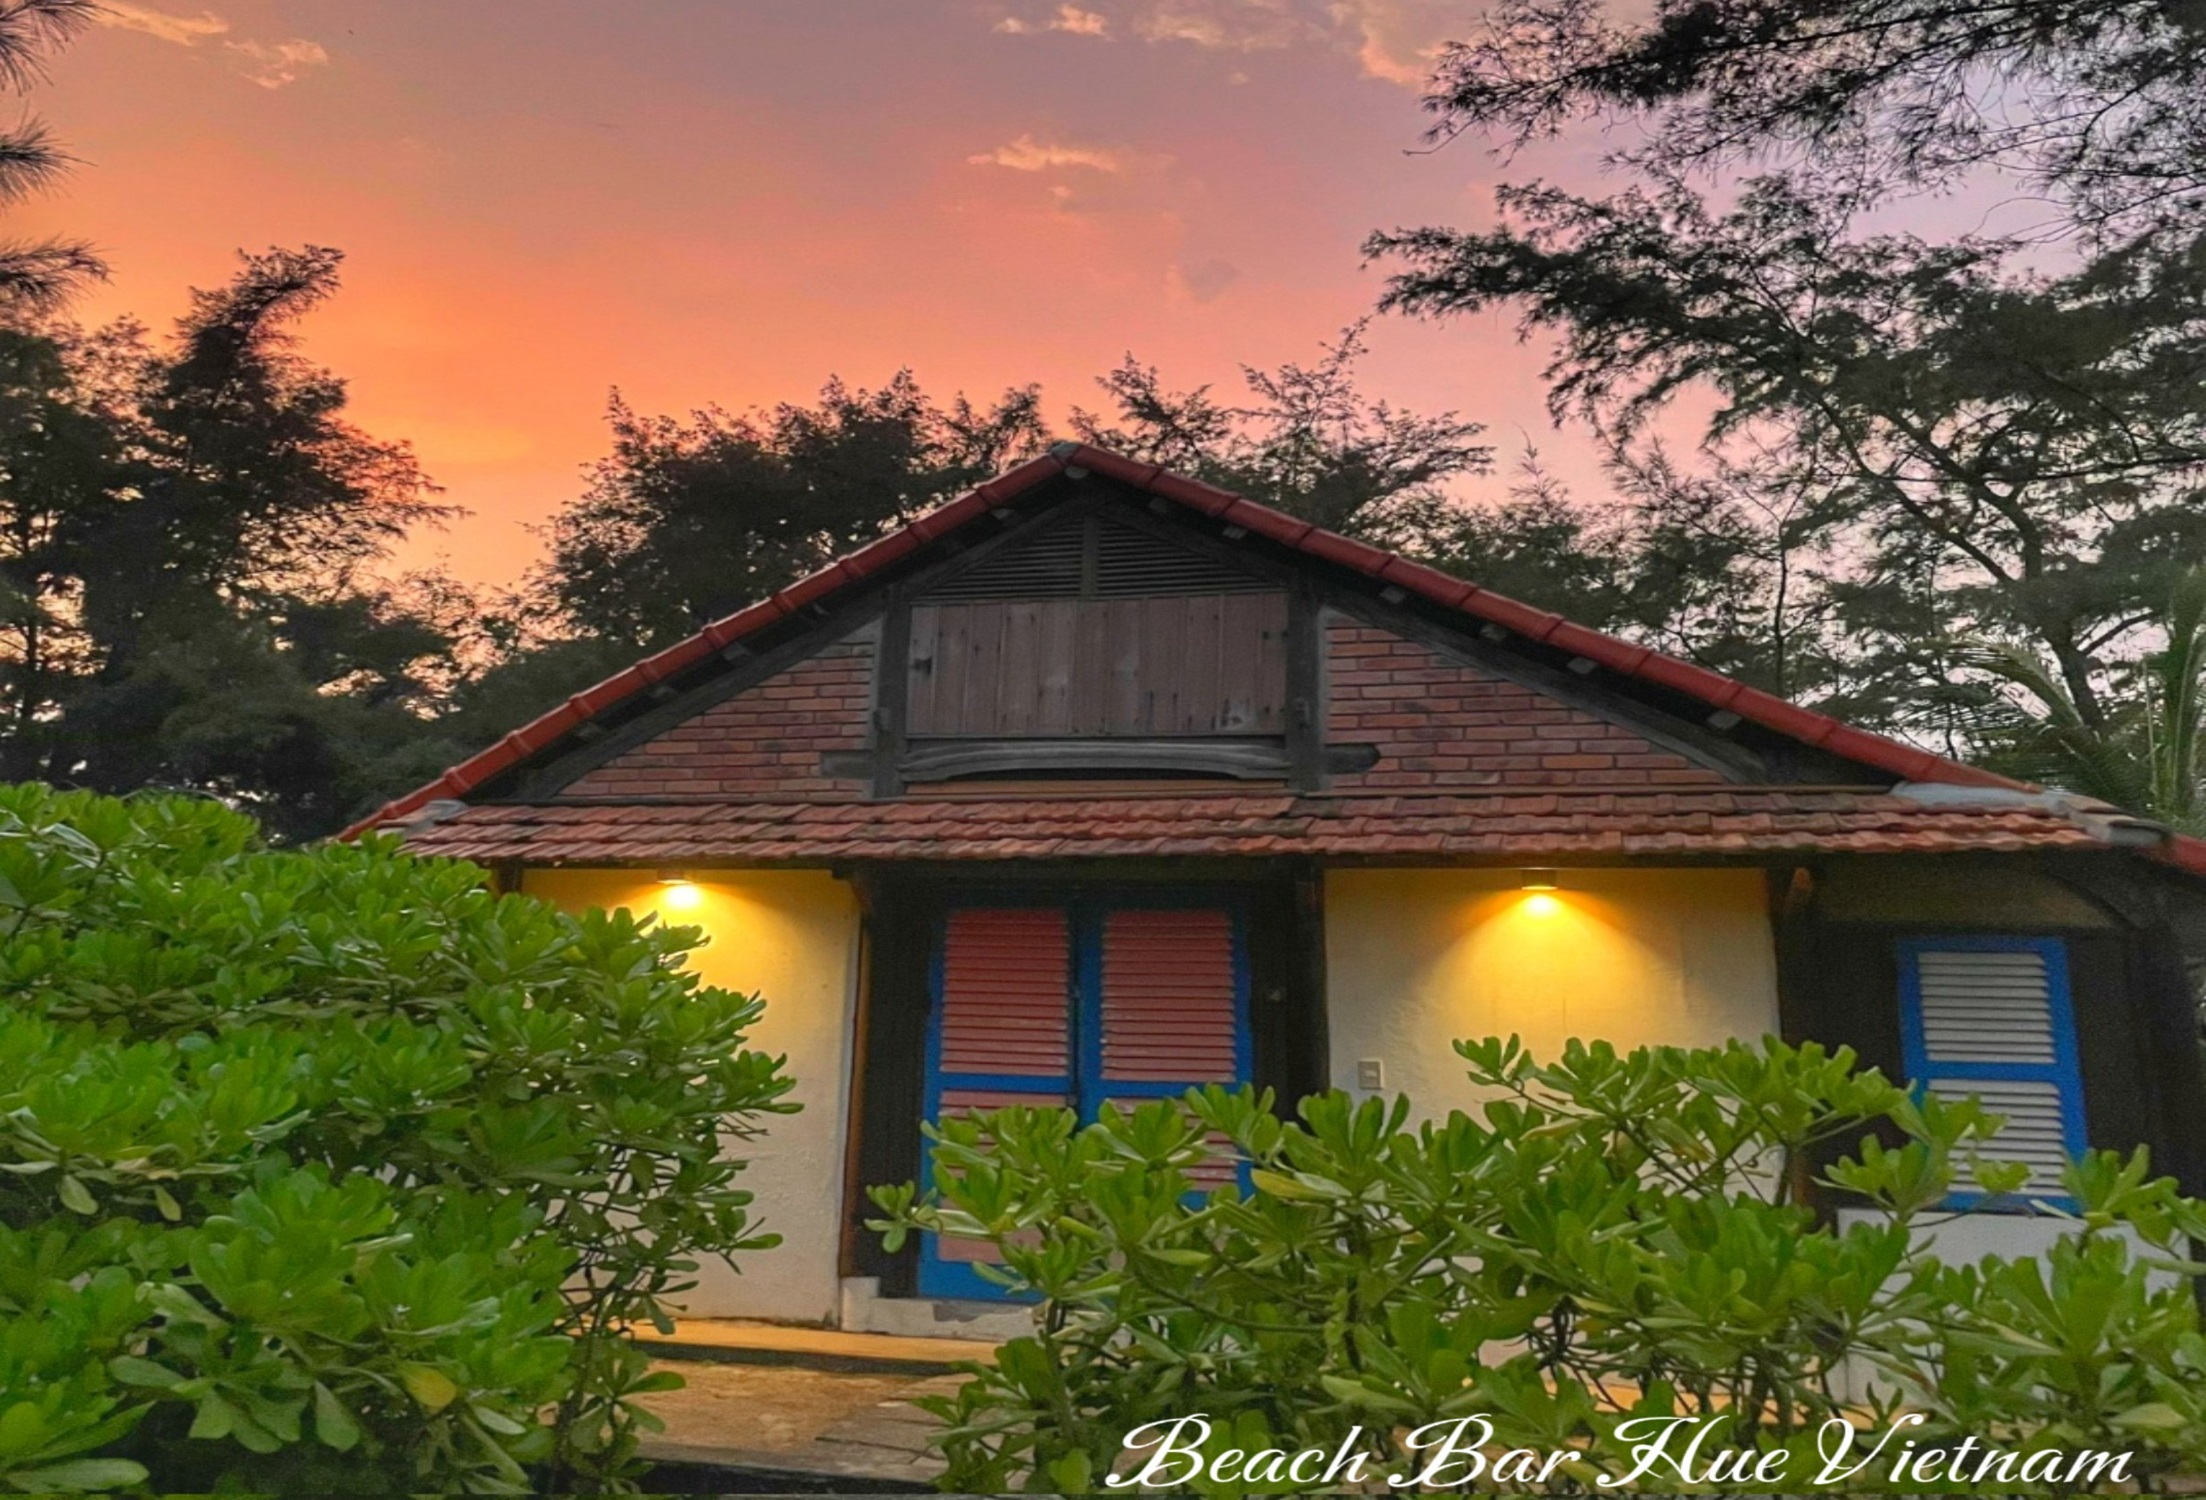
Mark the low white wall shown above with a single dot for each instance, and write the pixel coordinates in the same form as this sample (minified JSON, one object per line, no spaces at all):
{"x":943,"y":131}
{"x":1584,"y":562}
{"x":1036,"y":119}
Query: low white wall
{"x":1966,"y":1239}
{"x":791,"y":936}
{"x":1419,"y":958}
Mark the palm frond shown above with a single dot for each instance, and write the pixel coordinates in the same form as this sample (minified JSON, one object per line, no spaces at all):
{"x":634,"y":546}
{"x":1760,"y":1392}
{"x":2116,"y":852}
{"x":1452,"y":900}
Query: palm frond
{"x":2024,"y":669}
{"x":2175,"y":688}
{"x":32,"y":29}
{"x":39,"y":277}
{"x":29,"y":161}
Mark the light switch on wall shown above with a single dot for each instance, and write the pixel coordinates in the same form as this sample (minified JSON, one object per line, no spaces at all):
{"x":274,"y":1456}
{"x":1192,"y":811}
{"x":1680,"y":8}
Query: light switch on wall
{"x":1370,"y":1074}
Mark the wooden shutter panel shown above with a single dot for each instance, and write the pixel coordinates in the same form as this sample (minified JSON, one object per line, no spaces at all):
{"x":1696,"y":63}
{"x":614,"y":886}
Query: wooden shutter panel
{"x":1171,"y":1012}
{"x":1990,"y":1019}
{"x":1006,"y":992}
{"x":1171,"y":997}
{"x":1005,"y":1032}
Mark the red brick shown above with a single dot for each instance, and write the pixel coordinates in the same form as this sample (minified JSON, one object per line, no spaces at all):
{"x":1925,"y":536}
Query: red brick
{"x":1438,"y":721}
{"x":765,"y":741}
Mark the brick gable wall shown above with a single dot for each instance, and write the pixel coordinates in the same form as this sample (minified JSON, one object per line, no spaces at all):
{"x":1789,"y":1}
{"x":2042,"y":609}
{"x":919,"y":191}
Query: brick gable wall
{"x":1438,"y":724}
{"x":766,"y":741}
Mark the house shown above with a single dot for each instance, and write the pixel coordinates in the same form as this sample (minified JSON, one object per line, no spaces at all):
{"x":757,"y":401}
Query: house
{"x":1099,"y":782}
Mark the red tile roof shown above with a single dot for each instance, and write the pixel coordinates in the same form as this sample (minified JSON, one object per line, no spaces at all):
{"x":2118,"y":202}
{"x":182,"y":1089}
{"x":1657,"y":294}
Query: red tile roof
{"x":1514,"y":826}
{"x":1903,"y":761}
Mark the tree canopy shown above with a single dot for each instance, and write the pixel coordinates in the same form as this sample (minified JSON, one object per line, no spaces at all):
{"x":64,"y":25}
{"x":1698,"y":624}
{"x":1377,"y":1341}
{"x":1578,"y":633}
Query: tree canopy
{"x":188,"y":533}
{"x":1987,"y":449}
{"x":2098,"y":102}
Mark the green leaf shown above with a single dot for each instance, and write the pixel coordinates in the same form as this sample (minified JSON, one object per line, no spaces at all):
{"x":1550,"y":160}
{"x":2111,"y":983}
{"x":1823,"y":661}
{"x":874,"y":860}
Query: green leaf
{"x":76,"y":1197}
{"x":1071,"y":1474}
{"x":80,"y":1476}
{"x":1279,"y":1185}
{"x":216,"y":1418}
{"x":131,"y":1370}
{"x":497,"y":1421}
{"x":430,"y":1386}
{"x":2153,"y":1416}
{"x":332,"y":1423}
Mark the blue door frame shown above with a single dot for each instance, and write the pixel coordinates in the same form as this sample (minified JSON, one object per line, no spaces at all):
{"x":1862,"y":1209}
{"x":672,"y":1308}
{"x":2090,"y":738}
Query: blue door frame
{"x":1085,"y":1087}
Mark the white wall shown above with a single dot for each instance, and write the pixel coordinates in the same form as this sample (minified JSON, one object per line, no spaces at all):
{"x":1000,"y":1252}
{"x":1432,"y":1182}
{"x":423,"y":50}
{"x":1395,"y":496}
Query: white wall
{"x":1965,"y":1239}
{"x":1419,"y":958}
{"x":791,"y":936}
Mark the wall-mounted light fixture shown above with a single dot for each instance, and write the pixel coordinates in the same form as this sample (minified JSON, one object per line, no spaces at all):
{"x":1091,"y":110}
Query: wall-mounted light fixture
{"x":1539,"y":892}
{"x":680,"y":893}
{"x":1539,"y":880}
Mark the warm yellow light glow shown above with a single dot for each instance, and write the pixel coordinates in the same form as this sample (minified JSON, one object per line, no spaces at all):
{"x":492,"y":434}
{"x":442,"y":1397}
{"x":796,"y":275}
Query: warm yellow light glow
{"x":681,"y":895}
{"x":1541,"y":904}
{"x":1539,"y":880}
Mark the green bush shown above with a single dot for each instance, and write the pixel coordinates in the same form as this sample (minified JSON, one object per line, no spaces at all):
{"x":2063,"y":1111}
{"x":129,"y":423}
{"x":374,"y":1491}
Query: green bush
{"x":1612,"y":1237}
{"x":331,"y":1171}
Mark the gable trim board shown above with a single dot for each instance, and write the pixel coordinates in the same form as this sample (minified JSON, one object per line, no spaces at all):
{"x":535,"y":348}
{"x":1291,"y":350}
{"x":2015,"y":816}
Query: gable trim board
{"x":1398,"y":581}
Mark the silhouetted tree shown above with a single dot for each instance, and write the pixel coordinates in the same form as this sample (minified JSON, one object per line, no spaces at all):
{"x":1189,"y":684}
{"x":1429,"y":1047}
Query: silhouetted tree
{"x":2100,"y":104}
{"x":687,"y":520}
{"x":1308,"y":442}
{"x":189,"y":537}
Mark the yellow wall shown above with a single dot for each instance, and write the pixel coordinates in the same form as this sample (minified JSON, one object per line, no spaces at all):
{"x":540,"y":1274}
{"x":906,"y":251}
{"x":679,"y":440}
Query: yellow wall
{"x":1419,"y":958}
{"x":791,"y":936}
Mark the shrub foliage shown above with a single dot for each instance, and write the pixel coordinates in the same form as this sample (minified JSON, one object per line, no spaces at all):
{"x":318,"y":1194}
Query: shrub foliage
{"x":332,"y":1171}
{"x":1610,"y":1237}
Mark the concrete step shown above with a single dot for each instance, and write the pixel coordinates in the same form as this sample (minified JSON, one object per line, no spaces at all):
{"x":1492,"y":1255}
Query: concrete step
{"x":738,"y":1341}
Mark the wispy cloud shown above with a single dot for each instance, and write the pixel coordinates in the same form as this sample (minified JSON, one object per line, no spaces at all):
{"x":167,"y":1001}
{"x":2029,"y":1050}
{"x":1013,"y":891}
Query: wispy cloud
{"x":1225,"y":25}
{"x":1080,"y":22}
{"x":1394,"y":40}
{"x":1069,"y":18}
{"x":269,"y":64}
{"x":1026,"y":154}
{"x":274,"y":64}
{"x":1398,"y":40}
{"x":185,"y":31}
{"x":1205,"y":281}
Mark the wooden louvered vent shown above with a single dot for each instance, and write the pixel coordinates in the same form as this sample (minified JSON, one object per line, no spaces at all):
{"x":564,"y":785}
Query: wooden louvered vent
{"x":1988,"y":1026}
{"x":1099,"y":630}
{"x":1096,"y":557}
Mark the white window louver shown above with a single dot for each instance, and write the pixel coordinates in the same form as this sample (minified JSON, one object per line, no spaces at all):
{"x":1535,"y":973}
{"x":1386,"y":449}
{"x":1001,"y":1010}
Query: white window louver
{"x":1990,"y":1018}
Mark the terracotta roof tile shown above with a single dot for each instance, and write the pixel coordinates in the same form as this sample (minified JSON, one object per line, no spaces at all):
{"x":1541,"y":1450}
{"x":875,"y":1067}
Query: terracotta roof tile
{"x":1739,"y":821}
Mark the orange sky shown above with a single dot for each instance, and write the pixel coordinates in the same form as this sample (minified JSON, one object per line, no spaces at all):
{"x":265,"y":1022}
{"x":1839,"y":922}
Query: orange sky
{"x":726,"y":201}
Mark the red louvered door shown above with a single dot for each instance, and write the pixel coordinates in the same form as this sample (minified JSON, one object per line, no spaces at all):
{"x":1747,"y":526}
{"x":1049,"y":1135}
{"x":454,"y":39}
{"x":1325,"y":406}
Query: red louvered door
{"x":1086,"y":1002}
{"x":1002,"y":1035}
{"x":1169,"y":1009}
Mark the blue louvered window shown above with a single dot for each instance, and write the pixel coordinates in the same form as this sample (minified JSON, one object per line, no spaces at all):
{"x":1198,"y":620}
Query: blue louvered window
{"x":1992,"y":1017}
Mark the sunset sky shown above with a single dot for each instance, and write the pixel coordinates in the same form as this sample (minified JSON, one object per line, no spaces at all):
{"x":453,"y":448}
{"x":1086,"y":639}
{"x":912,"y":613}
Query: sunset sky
{"x":726,"y":201}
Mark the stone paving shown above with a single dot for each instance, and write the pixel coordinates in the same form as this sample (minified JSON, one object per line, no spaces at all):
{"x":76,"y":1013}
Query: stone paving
{"x":757,"y":1399}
